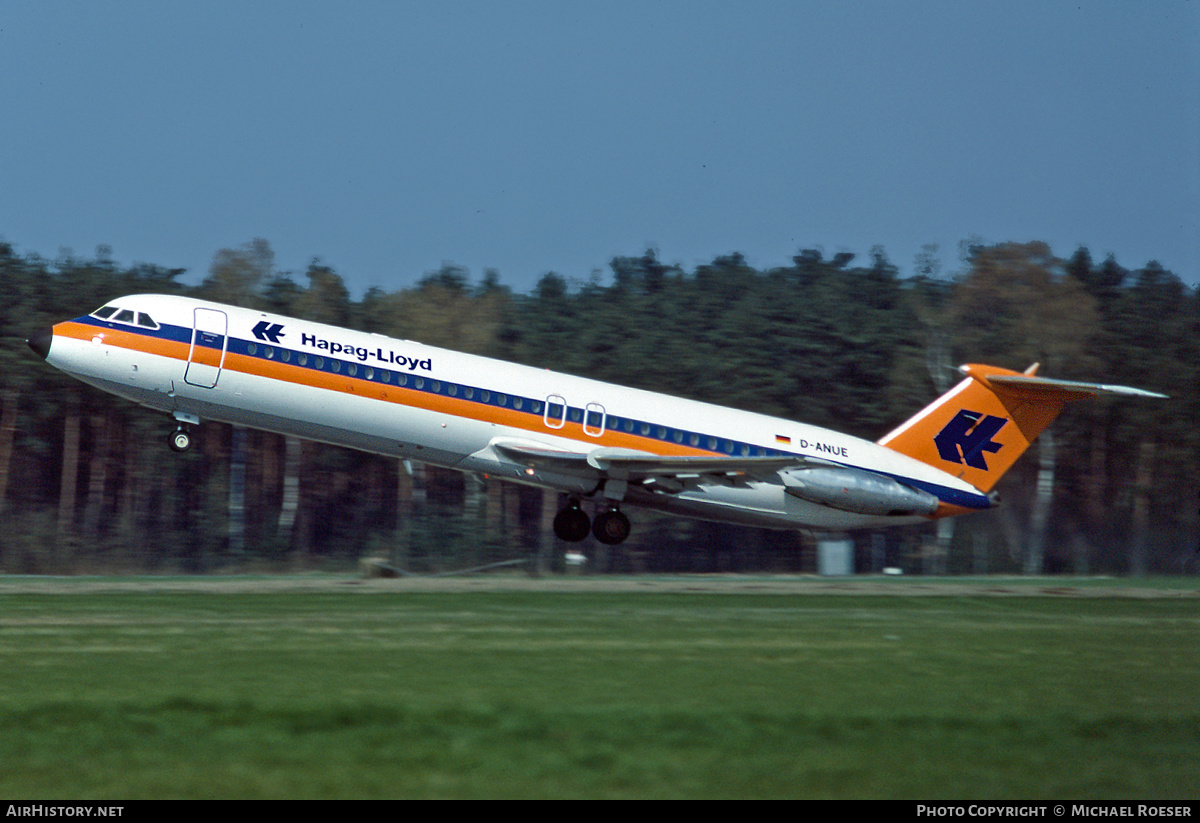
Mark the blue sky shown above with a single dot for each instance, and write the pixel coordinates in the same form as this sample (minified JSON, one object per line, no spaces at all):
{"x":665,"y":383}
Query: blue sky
{"x":389,"y":137}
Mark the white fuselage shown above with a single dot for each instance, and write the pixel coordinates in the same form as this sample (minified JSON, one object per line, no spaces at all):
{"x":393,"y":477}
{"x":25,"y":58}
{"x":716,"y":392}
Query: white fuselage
{"x":206,"y":361}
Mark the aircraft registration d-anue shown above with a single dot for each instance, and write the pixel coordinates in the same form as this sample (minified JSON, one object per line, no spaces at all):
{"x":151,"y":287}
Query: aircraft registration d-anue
{"x":594,"y":441}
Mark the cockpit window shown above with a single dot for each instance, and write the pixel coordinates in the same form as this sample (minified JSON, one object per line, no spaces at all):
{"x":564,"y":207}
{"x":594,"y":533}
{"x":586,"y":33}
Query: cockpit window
{"x":119,"y":315}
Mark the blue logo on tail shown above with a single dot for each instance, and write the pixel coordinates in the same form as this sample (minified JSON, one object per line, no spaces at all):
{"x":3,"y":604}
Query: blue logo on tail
{"x":968,"y":436}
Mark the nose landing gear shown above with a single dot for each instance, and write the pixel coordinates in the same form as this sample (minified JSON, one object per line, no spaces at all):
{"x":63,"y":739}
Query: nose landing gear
{"x":180,"y":440}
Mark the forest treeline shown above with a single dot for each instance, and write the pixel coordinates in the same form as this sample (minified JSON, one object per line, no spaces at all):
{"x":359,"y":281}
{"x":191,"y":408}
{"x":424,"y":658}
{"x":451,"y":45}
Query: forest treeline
{"x":88,"y":484}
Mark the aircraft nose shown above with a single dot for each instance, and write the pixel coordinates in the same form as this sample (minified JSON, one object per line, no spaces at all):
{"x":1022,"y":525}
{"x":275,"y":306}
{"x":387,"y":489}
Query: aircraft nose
{"x":40,"y":342}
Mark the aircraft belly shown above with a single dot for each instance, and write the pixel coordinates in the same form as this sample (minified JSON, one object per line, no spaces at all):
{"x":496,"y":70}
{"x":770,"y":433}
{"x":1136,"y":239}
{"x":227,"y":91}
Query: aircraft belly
{"x":344,"y":419}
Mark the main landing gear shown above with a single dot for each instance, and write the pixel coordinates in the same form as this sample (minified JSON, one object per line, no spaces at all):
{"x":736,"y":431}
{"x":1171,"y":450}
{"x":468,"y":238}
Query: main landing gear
{"x":610,"y":527}
{"x":572,"y":525}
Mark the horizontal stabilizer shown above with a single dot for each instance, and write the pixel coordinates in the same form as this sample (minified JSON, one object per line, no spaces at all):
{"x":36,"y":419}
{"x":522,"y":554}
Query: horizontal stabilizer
{"x":1037,"y":385}
{"x":978,"y":429}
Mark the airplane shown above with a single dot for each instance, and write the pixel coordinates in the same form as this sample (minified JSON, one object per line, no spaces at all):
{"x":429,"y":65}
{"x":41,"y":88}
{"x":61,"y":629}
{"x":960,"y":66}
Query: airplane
{"x":593,"y":441}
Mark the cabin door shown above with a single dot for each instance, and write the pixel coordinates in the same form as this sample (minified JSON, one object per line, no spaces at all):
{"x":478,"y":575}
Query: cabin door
{"x":209,"y":342}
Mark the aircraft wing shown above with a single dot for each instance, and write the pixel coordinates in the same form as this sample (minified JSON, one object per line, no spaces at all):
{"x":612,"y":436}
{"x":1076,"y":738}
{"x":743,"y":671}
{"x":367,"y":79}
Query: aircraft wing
{"x":671,"y":473}
{"x":817,"y":481}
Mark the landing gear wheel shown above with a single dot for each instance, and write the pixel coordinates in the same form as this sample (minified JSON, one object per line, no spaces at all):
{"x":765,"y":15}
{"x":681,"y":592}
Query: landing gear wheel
{"x":611,"y":527}
{"x":181,"y":440}
{"x":571,"y":524}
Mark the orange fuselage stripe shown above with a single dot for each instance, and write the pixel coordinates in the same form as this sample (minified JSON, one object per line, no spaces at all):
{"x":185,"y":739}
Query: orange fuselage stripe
{"x":310,"y":377}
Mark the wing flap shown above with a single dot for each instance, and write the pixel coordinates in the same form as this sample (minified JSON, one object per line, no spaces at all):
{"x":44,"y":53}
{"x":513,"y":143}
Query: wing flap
{"x":628,"y":464}
{"x":637,"y":464}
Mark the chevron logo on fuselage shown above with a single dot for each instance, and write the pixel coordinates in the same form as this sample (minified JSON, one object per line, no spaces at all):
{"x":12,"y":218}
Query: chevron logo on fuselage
{"x":270,"y":332}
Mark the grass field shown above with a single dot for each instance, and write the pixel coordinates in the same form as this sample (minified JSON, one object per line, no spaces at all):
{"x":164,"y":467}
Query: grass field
{"x":182,"y":689}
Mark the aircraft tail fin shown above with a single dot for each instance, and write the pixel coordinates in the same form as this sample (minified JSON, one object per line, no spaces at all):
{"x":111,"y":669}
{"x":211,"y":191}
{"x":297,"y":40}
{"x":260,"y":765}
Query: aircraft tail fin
{"x":979,"y":428}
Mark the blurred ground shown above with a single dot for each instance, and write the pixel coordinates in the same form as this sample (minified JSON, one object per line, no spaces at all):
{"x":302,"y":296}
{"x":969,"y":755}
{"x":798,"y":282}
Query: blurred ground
{"x":709,"y":584}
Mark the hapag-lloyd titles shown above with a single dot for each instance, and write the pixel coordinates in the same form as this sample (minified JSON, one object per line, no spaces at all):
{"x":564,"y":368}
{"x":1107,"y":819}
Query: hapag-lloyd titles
{"x":362,"y":353}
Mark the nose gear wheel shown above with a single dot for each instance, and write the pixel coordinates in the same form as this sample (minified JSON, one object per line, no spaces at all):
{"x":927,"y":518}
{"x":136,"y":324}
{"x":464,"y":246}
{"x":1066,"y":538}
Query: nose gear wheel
{"x":180,"y":440}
